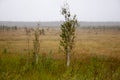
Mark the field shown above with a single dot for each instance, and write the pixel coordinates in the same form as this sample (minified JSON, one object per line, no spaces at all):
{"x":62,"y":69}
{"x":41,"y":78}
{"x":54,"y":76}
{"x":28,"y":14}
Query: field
{"x":96,"y":55}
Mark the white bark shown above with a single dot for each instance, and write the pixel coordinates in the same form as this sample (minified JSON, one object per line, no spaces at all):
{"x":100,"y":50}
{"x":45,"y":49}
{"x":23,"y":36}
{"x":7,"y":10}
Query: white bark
{"x":68,"y":59}
{"x":36,"y":58}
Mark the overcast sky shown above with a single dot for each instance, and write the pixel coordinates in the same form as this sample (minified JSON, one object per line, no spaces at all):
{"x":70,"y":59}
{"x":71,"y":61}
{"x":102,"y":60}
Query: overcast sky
{"x":49,"y":10}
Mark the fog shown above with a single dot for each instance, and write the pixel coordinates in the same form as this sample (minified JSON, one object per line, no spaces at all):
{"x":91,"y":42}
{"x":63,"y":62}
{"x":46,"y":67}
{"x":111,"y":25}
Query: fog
{"x":49,"y":10}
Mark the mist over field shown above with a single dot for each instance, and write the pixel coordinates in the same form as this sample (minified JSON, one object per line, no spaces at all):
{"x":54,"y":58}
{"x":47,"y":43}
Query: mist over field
{"x":58,"y":24}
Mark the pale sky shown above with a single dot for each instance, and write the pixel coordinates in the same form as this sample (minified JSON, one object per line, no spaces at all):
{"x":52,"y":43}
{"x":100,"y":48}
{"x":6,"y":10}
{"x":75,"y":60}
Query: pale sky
{"x":49,"y":10}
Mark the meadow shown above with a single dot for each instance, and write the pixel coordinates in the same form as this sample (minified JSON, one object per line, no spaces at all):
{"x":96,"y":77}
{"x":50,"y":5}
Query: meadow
{"x":96,"y":55}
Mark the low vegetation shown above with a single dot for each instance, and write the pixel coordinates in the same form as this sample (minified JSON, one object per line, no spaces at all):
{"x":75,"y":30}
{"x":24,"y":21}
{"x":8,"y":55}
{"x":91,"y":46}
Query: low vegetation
{"x":95,"y":56}
{"x":15,"y":67}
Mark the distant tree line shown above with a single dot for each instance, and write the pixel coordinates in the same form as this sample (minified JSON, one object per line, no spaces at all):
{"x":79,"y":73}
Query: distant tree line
{"x":3,"y":27}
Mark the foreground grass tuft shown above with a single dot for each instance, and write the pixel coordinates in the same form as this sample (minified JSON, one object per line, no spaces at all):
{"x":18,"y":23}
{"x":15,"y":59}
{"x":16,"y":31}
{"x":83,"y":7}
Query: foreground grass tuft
{"x":91,"y":68}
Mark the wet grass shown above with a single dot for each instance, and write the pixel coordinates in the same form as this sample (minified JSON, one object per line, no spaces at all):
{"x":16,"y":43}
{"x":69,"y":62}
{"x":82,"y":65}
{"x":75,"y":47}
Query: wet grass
{"x":96,"y":56}
{"x":17,"y":67}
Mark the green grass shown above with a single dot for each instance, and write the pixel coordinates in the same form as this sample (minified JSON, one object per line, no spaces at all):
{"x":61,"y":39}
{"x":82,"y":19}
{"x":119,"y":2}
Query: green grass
{"x":95,"y":57}
{"x":19,"y":67}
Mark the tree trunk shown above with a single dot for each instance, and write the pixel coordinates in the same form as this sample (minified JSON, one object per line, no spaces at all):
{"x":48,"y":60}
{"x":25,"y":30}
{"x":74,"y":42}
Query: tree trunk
{"x":68,"y":59}
{"x":36,"y":58}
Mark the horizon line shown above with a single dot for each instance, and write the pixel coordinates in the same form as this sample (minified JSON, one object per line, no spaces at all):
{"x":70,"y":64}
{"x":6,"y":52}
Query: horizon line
{"x":55,"y":21}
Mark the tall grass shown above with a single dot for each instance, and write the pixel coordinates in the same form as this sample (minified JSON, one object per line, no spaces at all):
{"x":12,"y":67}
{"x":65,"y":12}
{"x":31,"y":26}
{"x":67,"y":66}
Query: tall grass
{"x":15,"y":67}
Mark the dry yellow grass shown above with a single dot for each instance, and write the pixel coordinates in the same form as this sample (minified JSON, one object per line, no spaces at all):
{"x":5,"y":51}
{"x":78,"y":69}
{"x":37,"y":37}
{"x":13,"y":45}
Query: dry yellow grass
{"x":16,"y":63}
{"x":88,"y":41}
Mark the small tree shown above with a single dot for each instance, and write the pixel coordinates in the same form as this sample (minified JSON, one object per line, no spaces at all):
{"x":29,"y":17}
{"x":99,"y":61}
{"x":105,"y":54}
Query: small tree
{"x":68,"y":32}
{"x":27,"y":30}
{"x":43,"y":31}
{"x":36,"y":44}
